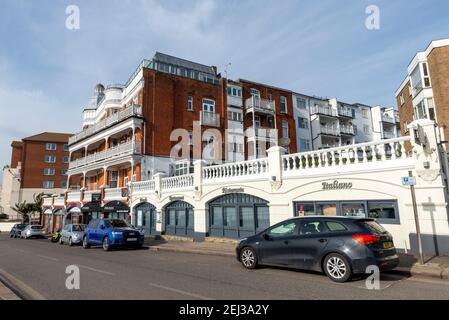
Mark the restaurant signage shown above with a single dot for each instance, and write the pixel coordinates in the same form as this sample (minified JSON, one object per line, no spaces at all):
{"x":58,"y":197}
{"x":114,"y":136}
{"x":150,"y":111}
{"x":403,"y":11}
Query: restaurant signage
{"x":336,"y":185}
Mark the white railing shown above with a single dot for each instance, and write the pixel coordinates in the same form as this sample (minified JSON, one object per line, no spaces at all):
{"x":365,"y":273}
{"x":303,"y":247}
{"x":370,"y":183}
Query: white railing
{"x":142,"y":187}
{"x":113,"y":194}
{"x":256,"y":168}
{"x":48,"y":202}
{"x":329,"y":130}
{"x":59,"y":201}
{"x":127,"y":148}
{"x":377,"y":151}
{"x":388,"y":118}
{"x":209,"y":119}
{"x":88,"y":195}
{"x":347,"y":129}
{"x":389,"y":135}
{"x":256,"y":104}
{"x":262,"y":133}
{"x":328,"y":111}
{"x":74,"y":196}
{"x":347,"y":112}
{"x":177,"y":182}
{"x":134,"y":110}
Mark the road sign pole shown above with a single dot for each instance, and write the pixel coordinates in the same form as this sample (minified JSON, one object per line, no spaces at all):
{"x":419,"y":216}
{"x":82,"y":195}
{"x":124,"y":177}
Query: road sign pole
{"x":415,"y":212}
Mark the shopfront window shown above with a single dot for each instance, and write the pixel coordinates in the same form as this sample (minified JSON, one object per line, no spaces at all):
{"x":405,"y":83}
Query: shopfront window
{"x":353,"y":209}
{"x":247,"y":217}
{"x":385,"y":211}
{"x":326,"y":209}
{"x":230,"y":217}
{"x":305,"y":209}
{"x":382,"y":210}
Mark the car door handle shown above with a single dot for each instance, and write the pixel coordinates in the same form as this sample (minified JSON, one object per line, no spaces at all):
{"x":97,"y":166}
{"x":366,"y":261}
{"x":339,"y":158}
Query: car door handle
{"x":286,"y":242}
{"x":322,"y":240}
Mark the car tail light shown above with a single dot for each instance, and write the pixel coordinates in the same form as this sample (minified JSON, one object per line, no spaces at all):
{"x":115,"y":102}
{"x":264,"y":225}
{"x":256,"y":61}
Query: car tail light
{"x":366,"y":239}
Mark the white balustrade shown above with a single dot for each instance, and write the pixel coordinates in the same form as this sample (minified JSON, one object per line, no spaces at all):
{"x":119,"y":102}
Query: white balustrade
{"x":142,"y":187}
{"x":113,"y":194}
{"x":59,"y":201}
{"x":88,"y":195}
{"x":134,"y":110}
{"x":378,"y":151}
{"x":48,"y":202}
{"x":256,"y":168}
{"x":124,"y":149}
{"x":74,"y":196}
{"x":209,"y":119}
{"x":325,"y":110}
{"x":177,"y":182}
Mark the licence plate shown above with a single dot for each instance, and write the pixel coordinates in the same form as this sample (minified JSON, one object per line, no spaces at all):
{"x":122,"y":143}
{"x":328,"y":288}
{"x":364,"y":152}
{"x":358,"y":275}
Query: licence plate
{"x":132,"y":239}
{"x":388,"y":245}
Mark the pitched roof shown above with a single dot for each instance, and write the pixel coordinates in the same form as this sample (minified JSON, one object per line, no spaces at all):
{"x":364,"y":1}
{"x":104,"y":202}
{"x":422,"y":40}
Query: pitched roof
{"x":49,"y":137}
{"x":165,"y":58}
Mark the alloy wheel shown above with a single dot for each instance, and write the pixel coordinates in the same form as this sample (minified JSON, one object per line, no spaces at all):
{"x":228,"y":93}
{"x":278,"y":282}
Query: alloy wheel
{"x":106,"y":244}
{"x":336,"y":267}
{"x":248,"y":258}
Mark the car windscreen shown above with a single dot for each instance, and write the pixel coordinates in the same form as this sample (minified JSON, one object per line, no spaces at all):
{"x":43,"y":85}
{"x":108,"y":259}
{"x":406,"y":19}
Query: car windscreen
{"x":117,"y":223}
{"x":372,"y":226}
{"x":36,"y":227}
{"x":21,"y":226}
{"x":78,"y":227}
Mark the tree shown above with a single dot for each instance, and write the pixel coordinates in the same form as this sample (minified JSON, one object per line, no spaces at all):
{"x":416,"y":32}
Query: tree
{"x":24,"y":209}
{"x":38,"y":200}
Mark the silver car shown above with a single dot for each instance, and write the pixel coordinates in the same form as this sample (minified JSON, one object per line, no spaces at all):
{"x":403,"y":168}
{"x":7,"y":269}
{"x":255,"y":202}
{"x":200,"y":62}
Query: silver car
{"x":72,"y":234}
{"x":32,"y":231}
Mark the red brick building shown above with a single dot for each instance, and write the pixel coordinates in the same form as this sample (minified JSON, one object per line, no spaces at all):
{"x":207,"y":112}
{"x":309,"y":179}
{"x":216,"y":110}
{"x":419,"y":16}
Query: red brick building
{"x":39,"y":163}
{"x":170,"y":112}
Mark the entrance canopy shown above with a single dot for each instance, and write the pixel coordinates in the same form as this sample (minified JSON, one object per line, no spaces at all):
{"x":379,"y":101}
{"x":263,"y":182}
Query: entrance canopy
{"x":116,"y":207}
{"x":91,"y":207}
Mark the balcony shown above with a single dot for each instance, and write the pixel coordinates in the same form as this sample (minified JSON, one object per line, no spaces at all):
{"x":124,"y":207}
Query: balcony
{"x":125,"y":149}
{"x":88,"y":195}
{"x":259,"y":105}
{"x":389,"y":119}
{"x":345,"y":112}
{"x":262,"y":134}
{"x":389,"y":135}
{"x":210,"y":119}
{"x":347,"y":129}
{"x":134,"y":110}
{"x":329,"y":130}
{"x":326,"y":111}
{"x":111,"y":194}
{"x":74,"y":196}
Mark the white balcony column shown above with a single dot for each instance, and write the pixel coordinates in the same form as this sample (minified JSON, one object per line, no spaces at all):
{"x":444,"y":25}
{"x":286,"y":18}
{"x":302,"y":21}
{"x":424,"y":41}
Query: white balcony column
{"x":105,"y":177}
{"x":132,"y":173}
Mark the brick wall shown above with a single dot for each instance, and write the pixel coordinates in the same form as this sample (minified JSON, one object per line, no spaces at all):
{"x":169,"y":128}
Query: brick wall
{"x":438,"y":62}
{"x":405,"y":111}
{"x":33,"y":164}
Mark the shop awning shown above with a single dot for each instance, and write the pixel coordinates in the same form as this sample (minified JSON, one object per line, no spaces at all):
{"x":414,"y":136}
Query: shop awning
{"x":91,"y":207}
{"x":116,"y":206}
{"x":74,"y":210}
{"x":48,"y":211}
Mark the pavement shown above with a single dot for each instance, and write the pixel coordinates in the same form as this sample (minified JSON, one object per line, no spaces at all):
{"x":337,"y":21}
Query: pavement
{"x":6,"y":293}
{"x":39,"y":269}
{"x":434,"y":267}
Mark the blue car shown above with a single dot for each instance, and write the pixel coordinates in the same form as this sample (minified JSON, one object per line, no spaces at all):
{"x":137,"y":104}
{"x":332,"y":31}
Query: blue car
{"x":111,"y":233}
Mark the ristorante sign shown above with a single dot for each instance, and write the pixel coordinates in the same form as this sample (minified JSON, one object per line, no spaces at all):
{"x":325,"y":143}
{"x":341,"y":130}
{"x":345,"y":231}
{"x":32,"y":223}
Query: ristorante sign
{"x":336,"y":185}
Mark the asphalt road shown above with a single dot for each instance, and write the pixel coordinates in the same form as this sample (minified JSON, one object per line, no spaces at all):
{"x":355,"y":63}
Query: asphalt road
{"x":39,"y":266}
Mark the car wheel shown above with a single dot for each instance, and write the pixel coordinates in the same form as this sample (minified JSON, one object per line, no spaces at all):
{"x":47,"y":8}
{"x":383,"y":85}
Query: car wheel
{"x":60,"y":241}
{"x":337,"y":268}
{"x":248,"y":258}
{"x":70,"y":242}
{"x":85,"y":243}
{"x":11,"y":235}
{"x":106,"y":246}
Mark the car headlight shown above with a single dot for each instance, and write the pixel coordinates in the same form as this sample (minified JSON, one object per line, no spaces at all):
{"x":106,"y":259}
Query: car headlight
{"x":116,"y":233}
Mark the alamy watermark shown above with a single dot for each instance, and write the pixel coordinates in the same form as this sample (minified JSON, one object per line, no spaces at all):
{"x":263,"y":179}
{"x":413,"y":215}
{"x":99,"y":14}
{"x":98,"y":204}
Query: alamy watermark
{"x":372,"y":22}
{"x":372,"y":282}
{"x":72,"y":21}
{"x":72,"y":282}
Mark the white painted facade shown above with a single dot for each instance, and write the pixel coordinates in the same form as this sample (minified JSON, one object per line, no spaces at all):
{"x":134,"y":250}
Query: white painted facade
{"x":375,"y":174}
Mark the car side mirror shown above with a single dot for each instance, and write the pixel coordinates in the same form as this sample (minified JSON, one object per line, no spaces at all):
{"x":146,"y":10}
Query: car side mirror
{"x":266,"y":236}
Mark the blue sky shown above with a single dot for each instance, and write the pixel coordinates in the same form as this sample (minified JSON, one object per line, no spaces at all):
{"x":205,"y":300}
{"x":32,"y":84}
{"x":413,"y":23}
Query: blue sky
{"x":47,"y":72}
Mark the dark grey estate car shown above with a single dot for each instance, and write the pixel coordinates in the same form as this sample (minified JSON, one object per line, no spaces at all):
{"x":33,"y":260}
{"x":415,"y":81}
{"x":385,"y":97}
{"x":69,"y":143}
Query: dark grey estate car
{"x":338,"y":246}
